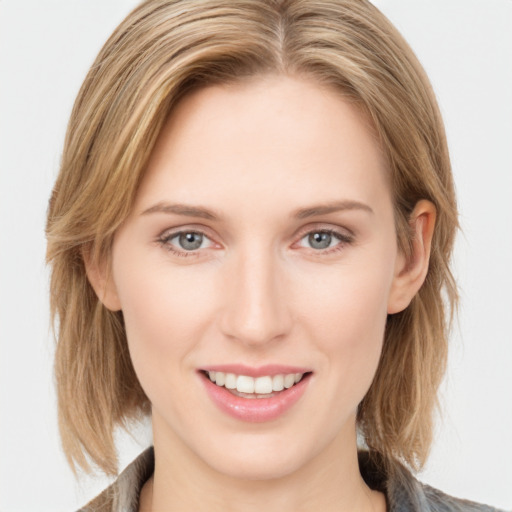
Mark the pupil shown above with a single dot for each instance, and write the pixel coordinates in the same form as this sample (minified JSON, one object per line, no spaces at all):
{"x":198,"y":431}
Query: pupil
{"x":320,"y":240}
{"x":191,"y":241}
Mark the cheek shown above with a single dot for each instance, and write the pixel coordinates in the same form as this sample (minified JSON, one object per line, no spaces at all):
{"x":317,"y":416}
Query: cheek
{"x":164,"y":313}
{"x":349,"y":304}
{"x":345,"y":313}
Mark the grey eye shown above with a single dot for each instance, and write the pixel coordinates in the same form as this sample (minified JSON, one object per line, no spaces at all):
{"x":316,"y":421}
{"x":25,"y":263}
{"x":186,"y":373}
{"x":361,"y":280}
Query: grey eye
{"x":320,"y":240}
{"x":190,"y":241}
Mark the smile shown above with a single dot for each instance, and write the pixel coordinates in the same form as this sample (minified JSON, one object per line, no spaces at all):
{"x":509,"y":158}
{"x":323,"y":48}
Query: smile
{"x":255,"y":387}
{"x":264,"y":396}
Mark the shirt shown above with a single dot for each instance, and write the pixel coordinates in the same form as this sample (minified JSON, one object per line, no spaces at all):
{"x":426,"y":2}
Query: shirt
{"x":403,"y":492}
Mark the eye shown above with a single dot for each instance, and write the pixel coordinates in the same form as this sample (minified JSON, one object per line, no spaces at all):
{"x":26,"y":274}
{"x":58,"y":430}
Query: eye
{"x":185,"y":241}
{"x":324,"y":239}
{"x":190,"y":241}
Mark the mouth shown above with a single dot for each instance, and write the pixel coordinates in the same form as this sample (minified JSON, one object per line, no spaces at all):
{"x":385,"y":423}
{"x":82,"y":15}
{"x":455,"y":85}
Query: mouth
{"x":263,"y":396}
{"x":245,"y":386}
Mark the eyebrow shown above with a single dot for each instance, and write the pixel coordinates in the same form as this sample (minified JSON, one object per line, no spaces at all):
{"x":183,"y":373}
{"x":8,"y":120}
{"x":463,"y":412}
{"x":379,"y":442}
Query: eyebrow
{"x":336,"y":206}
{"x":301,"y":213}
{"x":182,"y":209}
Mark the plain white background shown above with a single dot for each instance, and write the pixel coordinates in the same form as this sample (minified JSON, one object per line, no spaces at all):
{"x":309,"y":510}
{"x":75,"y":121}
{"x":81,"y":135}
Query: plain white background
{"x":46,"y":48}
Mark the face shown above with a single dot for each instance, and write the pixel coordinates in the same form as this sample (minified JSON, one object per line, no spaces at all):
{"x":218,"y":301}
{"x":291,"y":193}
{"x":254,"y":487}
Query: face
{"x":261,"y":245}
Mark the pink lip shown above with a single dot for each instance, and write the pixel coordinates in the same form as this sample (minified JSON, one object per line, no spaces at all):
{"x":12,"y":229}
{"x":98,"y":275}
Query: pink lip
{"x":255,"y":410}
{"x":260,"y":371}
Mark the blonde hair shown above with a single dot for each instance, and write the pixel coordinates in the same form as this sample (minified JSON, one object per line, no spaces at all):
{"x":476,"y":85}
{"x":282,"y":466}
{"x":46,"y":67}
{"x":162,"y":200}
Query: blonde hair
{"x":160,"y":52}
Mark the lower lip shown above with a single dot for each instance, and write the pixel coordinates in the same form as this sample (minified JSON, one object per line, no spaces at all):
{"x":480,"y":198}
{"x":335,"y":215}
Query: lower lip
{"x":255,"y":410}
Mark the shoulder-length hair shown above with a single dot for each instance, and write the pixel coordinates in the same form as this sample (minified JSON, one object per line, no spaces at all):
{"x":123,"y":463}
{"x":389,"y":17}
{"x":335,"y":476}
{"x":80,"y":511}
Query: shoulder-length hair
{"x":159,"y":53}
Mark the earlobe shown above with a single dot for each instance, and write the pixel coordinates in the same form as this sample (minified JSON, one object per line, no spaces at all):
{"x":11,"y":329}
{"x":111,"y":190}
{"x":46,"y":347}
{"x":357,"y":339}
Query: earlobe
{"x":100,"y":278}
{"x":410,"y":272}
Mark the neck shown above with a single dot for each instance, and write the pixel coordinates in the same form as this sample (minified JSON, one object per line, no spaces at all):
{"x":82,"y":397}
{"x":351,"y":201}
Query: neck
{"x":330,"y":482}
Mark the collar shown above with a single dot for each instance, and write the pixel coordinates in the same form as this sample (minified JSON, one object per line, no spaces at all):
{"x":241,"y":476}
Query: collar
{"x":403,"y":492}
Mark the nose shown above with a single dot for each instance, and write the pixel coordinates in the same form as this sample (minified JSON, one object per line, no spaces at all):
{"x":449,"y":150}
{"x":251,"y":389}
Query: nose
{"x":256,"y":310}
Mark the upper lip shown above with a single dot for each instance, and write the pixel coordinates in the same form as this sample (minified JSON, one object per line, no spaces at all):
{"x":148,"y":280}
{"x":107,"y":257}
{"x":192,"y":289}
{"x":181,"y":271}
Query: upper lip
{"x":256,"y":371}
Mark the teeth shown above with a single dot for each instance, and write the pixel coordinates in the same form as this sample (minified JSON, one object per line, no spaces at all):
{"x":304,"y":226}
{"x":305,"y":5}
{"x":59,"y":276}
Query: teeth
{"x":220,"y":378}
{"x":230,"y":381}
{"x":278,"y":383}
{"x":244,"y":384}
{"x":259,"y":385}
{"x":263,"y":385}
{"x":289,"y":380}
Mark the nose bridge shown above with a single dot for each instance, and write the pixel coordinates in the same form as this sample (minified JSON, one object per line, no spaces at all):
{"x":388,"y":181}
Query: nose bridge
{"x":256,"y":310}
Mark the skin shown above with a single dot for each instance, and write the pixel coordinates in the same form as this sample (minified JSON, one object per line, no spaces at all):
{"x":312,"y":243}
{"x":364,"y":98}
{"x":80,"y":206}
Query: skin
{"x":257,"y":292}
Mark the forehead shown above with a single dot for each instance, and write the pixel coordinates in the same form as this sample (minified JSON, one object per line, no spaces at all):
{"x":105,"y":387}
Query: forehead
{"x":263,"y":136}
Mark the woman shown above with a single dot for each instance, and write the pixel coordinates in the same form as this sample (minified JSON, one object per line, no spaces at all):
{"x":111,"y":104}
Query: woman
{"x":250,"y":236}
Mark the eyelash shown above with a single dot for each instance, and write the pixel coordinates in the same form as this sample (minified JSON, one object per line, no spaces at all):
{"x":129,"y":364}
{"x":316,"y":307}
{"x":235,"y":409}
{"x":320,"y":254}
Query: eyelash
{"x":165,"y":238}
{"x":343,"y":239}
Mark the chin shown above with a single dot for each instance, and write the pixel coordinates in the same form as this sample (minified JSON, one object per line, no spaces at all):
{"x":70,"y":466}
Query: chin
{"x":261,"y":455}
{"x":257,"y":466}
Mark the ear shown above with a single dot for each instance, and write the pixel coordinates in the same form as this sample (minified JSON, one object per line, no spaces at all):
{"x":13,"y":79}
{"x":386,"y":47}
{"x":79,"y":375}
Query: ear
{"x":410,"y":272}
{"x":100,"y":278}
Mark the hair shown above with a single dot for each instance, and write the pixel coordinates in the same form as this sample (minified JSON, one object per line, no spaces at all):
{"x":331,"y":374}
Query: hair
{"x":163,"y":50}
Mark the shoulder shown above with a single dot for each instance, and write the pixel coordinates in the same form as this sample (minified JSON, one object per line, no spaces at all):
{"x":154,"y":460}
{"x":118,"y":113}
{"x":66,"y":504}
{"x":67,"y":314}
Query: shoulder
{"x":404,"y":493}
{"x":123,"y":494}
{"x":440,"y":502}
